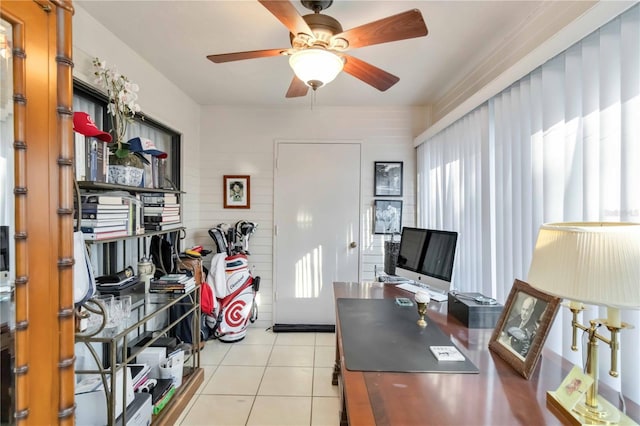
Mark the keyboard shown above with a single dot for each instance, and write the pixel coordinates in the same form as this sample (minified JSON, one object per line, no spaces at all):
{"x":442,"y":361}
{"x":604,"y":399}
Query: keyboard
{"x":413,"y":288}
{"x":392,"y":279}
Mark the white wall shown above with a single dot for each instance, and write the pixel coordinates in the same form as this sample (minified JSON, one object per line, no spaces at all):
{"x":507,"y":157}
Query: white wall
{"x":158,"y":97}
{"x":241,"y":141}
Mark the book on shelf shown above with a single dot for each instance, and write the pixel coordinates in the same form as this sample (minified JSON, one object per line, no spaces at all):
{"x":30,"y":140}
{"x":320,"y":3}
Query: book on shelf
{"x":162,"y":199}
{"x":117,"y":277}
{"x":135,"y":223}
{"x":96,"y":159}
{"x":96,"y":236}
{"x":94,"y":223}
{"x":172,"y":278}
{"x":101,"y":199}
{"x":102,"y":228}
{"x":171,"y":281}
{"x":104,"y":215}
{"x":151,"y":210}
{"x":164,"y":399}
{"x":161,"y":389}
{"x":80,"y":156}
{"x":159,"y":202}
{"x":95,"y":207}
{"x":173,"y":288}
{"x":162,"y":227}
{"x":446,"y":353}
{"x":162,"y":219}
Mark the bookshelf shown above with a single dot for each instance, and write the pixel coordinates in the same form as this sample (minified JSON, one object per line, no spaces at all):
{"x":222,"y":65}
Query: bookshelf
{"x":116,"y":345}
{"x":109,"y":349}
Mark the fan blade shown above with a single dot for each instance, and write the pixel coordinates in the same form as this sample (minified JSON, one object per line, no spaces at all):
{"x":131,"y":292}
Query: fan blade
{"x":286,"y":13}
{"x":409,"y":24}
{"x":297,"y":88}
{"x":237,"y":56}
{"x":371,"y":75}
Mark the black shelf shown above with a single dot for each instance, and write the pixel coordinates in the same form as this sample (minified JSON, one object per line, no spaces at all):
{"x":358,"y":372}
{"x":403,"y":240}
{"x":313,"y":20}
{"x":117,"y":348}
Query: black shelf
{"x":101,"y":186}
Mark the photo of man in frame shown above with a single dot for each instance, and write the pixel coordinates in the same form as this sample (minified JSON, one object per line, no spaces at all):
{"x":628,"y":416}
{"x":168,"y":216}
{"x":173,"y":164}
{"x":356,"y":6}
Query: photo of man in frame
{"x":388,"y":216}
{"x":522,"y":324}
{"x":236,"y":191}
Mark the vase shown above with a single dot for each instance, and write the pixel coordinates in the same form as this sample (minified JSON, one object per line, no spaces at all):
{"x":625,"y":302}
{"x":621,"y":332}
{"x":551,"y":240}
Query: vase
{"x":127,"y":171}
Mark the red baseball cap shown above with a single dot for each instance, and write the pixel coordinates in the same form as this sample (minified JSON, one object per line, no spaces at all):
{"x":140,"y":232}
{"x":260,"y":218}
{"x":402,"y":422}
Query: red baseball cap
{"x":83,"y":124}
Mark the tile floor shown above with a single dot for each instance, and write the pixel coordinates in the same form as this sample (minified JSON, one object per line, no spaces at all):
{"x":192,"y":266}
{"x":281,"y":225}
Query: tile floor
{"x":266,"y":379}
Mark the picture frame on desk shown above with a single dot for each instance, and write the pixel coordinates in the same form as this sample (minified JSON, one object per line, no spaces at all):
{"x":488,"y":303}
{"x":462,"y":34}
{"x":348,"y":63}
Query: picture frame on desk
{"x":237,"y":191}
{"x":523,"y":326}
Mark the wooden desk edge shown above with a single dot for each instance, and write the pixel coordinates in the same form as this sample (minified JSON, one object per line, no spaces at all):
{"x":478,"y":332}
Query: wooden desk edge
{"x":356,"y":396}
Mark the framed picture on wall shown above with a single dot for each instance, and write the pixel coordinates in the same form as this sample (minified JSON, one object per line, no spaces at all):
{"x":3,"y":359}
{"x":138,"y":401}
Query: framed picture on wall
{"x":523,"y":326}
{"x":387,"y":216}
{"x":387,"y":179}
{"x":237,"y":191}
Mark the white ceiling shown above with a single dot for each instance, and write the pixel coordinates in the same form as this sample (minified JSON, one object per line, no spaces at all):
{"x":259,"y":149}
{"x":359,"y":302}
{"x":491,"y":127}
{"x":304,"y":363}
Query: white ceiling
{"x":176,"y":36}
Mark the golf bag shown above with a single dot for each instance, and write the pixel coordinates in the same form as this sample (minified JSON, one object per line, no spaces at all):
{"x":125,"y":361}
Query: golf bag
{"x":232,"y":283}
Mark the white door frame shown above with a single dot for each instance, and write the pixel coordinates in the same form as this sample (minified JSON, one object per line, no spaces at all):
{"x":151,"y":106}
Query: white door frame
{"x":274,"y":251}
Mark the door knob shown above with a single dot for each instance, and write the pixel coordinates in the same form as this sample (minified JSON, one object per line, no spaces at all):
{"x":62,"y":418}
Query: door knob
{"x":353,"y":244}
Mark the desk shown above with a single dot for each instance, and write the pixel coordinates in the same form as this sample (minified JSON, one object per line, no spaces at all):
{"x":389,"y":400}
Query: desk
{"x":498,"y":395}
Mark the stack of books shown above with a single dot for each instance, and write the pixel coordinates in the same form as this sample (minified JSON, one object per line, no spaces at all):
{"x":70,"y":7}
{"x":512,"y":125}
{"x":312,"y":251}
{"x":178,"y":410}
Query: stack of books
{"x":92,"y":158}
{"x":161,"y":212}
{"x":103,"y":216}
{"x":173,"y":283}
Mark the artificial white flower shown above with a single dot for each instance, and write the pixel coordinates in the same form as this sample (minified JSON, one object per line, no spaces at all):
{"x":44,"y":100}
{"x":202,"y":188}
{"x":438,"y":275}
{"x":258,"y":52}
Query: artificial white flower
{"x":122,"y":100}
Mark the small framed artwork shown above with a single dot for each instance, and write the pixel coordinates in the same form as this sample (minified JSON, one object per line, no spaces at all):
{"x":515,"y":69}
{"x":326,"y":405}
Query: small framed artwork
{"x":387,"y":216}
{"x":573,"y":387}
{"x":523,"y":326}
{"x":237,"y":192}
{"x":387,"y":179}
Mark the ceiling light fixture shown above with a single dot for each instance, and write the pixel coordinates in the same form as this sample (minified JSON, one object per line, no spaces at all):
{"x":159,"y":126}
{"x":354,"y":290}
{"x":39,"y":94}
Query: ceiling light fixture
{"x":316,"y":67}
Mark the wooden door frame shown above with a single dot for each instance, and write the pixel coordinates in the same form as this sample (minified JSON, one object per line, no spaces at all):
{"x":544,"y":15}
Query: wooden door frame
{"x":43,"y":193}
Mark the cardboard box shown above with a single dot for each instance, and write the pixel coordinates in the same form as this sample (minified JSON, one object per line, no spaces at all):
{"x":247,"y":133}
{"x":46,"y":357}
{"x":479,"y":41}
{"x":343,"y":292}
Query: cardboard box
{"x":472,"y":314}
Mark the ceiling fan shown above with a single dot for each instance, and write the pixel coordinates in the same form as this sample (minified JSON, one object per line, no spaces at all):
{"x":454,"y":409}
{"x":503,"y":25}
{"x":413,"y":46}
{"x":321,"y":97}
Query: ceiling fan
{"x":318,"y":45}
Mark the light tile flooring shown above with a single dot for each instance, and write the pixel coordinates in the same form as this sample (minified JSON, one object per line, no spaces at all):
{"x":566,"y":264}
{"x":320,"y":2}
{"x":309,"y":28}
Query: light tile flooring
{"x":266,"y":379}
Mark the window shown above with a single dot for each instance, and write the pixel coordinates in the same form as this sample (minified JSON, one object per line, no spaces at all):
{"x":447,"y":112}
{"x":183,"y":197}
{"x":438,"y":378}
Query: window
{"x":93,"y":102}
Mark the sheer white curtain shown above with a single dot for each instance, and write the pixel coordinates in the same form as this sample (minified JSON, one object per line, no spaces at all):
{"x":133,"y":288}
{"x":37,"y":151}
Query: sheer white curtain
{"x":564,"y":145}
{"x":452,"y":185}
{"x":567,"y":143}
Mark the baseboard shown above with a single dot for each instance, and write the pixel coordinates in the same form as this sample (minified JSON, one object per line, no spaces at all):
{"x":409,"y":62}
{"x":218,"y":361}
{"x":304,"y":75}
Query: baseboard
{"x":302,"y":328}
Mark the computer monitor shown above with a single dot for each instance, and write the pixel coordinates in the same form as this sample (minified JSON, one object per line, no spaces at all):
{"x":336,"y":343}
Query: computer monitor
{"x":427,"y":256}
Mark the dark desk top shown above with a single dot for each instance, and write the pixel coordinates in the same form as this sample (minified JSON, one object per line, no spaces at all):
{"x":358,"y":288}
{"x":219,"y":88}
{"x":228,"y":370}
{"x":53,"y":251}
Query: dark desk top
{"x":498,"y":395}
{"x":380,"y":335}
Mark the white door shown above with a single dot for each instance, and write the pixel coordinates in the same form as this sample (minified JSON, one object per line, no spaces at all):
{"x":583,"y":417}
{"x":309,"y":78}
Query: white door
{"x":317,"y":230}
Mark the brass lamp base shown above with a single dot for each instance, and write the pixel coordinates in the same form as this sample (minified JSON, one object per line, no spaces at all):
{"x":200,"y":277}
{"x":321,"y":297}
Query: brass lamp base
{"x":607,"y":413}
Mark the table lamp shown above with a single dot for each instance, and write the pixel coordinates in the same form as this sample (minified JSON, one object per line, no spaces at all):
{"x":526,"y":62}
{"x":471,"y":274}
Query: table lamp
{"x":596,"y":263}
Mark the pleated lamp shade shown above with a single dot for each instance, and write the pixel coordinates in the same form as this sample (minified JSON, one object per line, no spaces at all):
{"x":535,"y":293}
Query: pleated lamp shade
{"x":592,"y":262}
